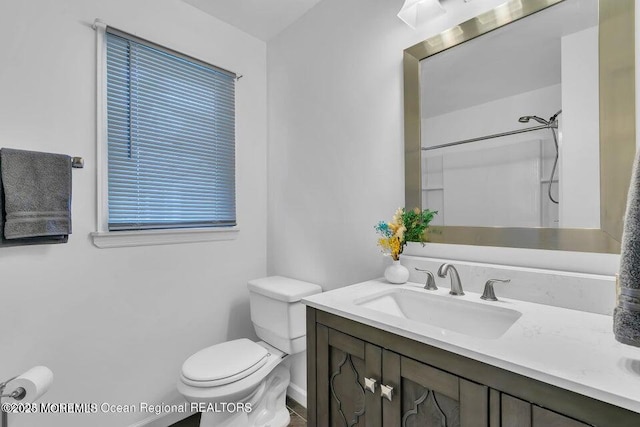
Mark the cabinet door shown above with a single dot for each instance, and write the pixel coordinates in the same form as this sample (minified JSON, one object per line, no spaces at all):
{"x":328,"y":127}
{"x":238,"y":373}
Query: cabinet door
{"x":343,"y":363}
{"x":518,"y":413}
{"x":545,"y":418}
{"x":515,"y":412}
{"x":428,"y":397}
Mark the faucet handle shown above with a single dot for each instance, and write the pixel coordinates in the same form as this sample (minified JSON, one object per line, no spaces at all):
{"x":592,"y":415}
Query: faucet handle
{"x":489,"y":294}
{"x":443,"y":269}
{"x":430,"y":285}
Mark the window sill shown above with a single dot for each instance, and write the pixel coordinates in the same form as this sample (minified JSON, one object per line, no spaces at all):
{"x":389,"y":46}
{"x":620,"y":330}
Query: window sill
{"x":121,"y":239}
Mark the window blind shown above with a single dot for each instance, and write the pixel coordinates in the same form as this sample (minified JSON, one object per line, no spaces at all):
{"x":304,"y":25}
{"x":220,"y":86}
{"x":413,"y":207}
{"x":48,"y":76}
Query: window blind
{"x":171,"y":139}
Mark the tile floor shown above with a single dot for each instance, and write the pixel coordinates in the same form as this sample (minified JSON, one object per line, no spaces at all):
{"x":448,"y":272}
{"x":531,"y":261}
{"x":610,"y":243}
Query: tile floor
{"x":297,"y":411}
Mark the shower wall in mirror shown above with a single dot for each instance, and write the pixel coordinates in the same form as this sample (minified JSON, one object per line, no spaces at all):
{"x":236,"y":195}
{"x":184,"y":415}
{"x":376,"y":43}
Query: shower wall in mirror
{"x":510,"y":124}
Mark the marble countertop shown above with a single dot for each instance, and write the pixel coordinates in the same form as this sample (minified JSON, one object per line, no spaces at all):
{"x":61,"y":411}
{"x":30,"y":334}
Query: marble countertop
{"x":571,"y":349}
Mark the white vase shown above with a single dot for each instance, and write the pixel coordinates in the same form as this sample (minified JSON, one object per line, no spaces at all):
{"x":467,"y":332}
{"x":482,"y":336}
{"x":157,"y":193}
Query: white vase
{"x":396,"y":273}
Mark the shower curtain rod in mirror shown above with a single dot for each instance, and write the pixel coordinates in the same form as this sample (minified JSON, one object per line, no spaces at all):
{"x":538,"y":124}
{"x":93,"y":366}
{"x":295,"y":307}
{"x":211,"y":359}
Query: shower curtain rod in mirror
{"x":495,"y":135}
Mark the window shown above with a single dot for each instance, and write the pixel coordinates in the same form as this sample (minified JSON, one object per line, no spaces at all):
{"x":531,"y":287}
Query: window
{"x":170,"y":131}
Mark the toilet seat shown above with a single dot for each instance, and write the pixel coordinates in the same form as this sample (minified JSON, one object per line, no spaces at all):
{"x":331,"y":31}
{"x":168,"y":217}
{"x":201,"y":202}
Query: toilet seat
{"x":224,"y":363}
{"x":195,"y":391}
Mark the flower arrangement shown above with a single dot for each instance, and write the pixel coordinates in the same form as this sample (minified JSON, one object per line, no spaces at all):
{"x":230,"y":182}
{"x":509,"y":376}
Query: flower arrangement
{"x":405,"y":226}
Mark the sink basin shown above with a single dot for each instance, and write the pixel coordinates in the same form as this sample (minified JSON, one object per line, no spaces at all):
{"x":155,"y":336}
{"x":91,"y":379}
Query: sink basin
{"x":449,"y":313}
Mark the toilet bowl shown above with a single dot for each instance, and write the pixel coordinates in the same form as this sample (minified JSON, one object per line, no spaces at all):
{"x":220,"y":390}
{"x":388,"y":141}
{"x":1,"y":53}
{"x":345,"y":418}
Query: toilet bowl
{"x":242,"y":383}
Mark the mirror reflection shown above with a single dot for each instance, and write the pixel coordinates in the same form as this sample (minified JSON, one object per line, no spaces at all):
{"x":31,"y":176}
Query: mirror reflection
{"x":510,"y":124}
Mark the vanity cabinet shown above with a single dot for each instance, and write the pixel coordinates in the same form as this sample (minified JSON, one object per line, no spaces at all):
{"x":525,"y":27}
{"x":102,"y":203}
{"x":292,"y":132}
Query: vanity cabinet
{"x":343,"y":363}
{"x":361,"y":384}
{"x":518,"y":413}
{"x":359,"y":375}
{"x":428,"y":397}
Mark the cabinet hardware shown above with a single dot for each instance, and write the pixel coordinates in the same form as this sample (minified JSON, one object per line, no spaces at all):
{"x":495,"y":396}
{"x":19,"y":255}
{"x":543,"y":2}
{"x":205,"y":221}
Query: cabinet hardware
{"x":386,"y":392}
{"x":370,"y":384}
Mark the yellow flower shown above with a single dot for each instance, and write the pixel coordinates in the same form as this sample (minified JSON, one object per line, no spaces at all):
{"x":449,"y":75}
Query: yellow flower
{"x":395,"y":245}
{"x":383,"y":242}
{"x":390,"y":245}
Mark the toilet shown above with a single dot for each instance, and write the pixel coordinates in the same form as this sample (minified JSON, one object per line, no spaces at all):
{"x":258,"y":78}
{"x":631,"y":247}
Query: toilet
{"x":242,"y":383}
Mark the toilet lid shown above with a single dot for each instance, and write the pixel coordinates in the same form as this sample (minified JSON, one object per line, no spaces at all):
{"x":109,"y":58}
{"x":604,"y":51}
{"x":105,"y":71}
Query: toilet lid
{"x":226,"y":362}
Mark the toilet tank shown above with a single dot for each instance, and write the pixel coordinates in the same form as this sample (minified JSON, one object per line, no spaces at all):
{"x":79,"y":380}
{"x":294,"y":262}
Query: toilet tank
{"x":276,"y":311}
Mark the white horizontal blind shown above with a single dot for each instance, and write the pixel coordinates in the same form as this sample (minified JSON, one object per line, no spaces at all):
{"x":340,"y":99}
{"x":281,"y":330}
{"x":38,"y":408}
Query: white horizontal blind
{"x":171,"y":139}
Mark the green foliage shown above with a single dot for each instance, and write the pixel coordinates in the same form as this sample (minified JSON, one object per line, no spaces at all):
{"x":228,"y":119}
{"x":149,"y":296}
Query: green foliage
{"x":416,"y":222}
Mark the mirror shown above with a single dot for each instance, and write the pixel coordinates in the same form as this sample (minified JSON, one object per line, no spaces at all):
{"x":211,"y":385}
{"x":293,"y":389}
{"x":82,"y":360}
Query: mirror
{"x":520,"y":125}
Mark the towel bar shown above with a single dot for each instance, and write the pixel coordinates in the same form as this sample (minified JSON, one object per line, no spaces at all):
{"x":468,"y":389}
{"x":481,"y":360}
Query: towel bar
{"x":77,"y":162}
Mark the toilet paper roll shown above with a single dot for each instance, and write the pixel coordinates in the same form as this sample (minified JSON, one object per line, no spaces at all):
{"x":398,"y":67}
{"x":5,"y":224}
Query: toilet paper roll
{"x":35,"y":382}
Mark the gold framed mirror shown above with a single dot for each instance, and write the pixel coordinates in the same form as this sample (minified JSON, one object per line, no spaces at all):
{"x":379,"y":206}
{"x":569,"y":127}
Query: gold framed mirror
{"x":617,"y":129}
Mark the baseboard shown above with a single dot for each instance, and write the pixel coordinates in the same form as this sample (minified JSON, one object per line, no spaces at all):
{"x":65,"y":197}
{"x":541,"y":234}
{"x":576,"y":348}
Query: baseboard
{"x":298,"y":394}
{"x":165,"y":419}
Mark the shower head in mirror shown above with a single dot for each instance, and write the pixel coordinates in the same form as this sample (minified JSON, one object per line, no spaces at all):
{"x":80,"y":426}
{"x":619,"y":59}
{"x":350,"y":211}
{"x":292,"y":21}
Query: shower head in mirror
{"x":526,"y":119}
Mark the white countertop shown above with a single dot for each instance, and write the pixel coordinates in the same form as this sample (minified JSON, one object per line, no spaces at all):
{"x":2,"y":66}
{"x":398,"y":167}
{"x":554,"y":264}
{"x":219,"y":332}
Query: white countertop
{"x":570,"y":349}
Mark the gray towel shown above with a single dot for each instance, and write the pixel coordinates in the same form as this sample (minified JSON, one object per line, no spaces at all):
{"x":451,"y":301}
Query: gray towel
{"x":626,"y":316}
{"x":37,"y":195}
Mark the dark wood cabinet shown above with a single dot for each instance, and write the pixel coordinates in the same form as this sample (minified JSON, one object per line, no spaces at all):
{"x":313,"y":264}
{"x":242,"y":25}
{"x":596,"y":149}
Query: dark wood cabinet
{"x":343,"y":363}
{"x":352,"y":375}
{"x":518,"y":413}
{"x":545,"y":418}
{"x":514,"y":412}
{"x":362,"y":376}
{"x":428,"y":397}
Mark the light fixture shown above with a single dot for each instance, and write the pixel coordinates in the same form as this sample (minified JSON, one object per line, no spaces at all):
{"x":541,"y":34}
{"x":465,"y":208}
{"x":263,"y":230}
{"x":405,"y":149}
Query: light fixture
{"x":416,"y":12}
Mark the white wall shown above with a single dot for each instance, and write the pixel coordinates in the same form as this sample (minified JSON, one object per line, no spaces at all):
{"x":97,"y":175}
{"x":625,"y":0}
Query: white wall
{"x":335,"y":135}
{"x":336,"y":144}
{"x":115,"y":325}
{"x":580,"y":147}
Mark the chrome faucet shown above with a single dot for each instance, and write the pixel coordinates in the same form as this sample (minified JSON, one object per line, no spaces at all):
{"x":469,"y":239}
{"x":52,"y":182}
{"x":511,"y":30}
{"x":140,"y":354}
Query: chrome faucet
{"x":456,"y":285}
{"x":489,"y":294}
{"x":430,"y":284}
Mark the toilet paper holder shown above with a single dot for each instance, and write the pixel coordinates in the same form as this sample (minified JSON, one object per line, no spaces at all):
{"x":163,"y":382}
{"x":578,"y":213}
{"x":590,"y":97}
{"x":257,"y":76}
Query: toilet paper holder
{"x":17,"y":394}
{"x":26,"y":387}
